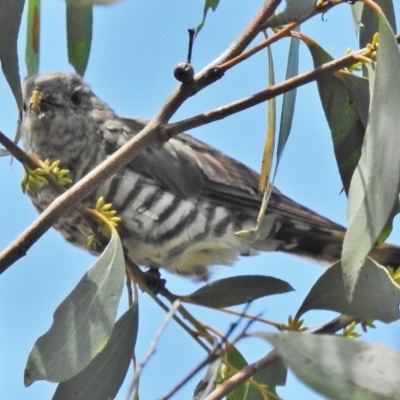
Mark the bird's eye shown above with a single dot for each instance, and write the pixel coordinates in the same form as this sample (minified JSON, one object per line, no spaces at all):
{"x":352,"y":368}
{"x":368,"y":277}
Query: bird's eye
{"x":76,"y":98}
{"x":24,"y":108}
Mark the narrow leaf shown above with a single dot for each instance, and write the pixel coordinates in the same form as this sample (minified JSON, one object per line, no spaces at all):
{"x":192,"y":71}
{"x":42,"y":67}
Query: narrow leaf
{"x":33,"y":37}
{"x":341,"y":368}
{"x":343,"y":100}
{"x":357,"y":9}
{"x":329,"y":293}
{"x":289,"y":100}
{"x":82,"y":323}
{"x":79,"y":34}
{"x":103,"y":377}
{"x":236,"y":290}
{"x":266,"y":163}
{"x":10,"y":21}
{"x":373,"y":194}
{"x":213,"y":4}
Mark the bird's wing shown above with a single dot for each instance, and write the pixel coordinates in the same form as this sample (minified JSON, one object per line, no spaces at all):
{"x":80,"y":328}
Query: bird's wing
{"x":191,"y":168}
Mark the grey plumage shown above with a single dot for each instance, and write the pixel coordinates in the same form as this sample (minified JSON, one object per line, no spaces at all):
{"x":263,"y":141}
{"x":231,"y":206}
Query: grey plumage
{"x":180,"y":201}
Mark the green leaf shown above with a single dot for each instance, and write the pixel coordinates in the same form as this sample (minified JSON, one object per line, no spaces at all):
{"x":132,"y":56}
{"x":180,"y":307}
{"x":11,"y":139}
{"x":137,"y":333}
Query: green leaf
{"x":269,"y":146}
{"x":272,"y":376}
{"x":33,"y":37}
{"x":79,"y":34}
{"x":370,"y":21}
{"x":236,"y":360}
{"x":344,"y":98}
{"x":82,"y":323}
{"x":10,"y":21}
{"x":289,"y":100}
{"x":213,"y":4}
{"x":103,"y":377}
{"x":340,"y":368}
{"x":357,"y":9}
{"x":373,"y":194}
{"x":237,"y":290}
{"x":328,"y":293}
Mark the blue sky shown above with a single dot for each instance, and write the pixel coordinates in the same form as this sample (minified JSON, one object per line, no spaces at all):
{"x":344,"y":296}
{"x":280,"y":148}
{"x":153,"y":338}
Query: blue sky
{"x":135,"y":47}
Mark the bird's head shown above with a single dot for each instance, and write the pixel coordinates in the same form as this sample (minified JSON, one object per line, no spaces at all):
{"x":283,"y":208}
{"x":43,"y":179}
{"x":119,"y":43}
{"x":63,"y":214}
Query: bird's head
{"x":61,"y":115}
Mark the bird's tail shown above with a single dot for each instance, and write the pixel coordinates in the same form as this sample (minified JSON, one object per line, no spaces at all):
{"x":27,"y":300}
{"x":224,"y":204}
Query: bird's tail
{"x":300,"y":231}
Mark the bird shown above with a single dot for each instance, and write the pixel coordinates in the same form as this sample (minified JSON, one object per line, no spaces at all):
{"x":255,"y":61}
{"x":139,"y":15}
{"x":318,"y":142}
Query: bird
{"x":180,"y":202}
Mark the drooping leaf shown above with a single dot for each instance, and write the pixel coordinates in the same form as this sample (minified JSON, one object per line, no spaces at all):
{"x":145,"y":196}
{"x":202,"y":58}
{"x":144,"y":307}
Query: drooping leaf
{"x":82,"y":323}
{"x":213,"y":4}
{"x":236,"y":290}
{"x":357,"y":9}
{"x":33,"y":37}
{"x":343,"y":97}
{"x":79,"y":34}
{"x":376,"y":296}
{"x":103,"y":377}
{"x":10,"y":21}
{"x":340,"y":368}
{"x":266,"y":164}
{"x":289,"y":100}
{"x":373,"y":194}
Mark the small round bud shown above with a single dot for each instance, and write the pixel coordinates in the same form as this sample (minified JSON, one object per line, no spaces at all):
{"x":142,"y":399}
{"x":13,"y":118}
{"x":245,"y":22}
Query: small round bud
{"x":184,"y":72}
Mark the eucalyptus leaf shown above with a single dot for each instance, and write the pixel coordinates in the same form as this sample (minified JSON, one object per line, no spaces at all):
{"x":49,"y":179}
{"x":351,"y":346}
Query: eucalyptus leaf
{"x":33,"y":37}
{"x":344,"y":100}
{"x":236,"y":290}
{"x":213,"y":4}
{"x":357,"y":9}
{"x":79,"y":34}
{"x":339,"y":368}
{"x":10,"y":21}
{"x":289,"y":100}
{"x":82,"y":323}
{"x":103,"y":377}
{"x":373,"y":193}
{"x":328,"y":293}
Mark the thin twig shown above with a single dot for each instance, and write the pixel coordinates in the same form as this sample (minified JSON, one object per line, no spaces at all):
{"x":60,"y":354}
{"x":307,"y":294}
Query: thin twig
{"x":138,"y":276}
{"x":250,"y":370}
{"x":217,"y":352}
{"x":152,"y":347}
{"x":229,"y":109}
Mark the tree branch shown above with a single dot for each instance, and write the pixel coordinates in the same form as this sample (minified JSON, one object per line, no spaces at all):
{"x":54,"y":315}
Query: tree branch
{"x":147,"y":137}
